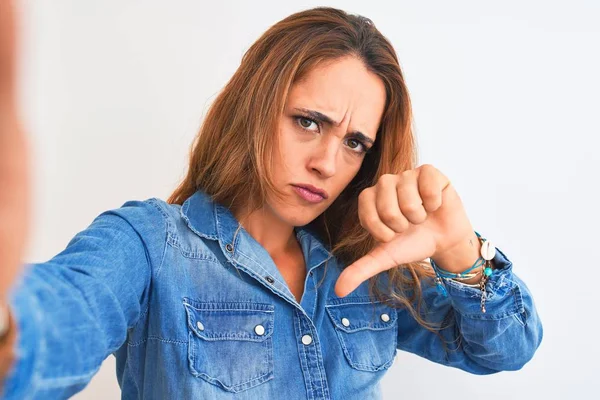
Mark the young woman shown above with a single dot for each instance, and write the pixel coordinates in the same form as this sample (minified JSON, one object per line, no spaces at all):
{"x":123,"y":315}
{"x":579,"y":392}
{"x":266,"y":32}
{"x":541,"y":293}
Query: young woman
{"x":301,"y":251}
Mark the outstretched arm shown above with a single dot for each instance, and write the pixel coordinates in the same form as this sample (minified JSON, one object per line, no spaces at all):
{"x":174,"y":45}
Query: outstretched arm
{"x":75,"y":309}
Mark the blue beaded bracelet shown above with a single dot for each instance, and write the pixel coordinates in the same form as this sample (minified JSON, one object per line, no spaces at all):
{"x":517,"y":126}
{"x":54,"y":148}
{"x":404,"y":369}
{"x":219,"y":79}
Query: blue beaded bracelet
{"x":488,"y":251}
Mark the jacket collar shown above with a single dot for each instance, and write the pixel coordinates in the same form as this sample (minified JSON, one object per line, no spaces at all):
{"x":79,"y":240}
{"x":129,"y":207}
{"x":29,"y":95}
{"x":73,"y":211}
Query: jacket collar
{"x":213,"y":221}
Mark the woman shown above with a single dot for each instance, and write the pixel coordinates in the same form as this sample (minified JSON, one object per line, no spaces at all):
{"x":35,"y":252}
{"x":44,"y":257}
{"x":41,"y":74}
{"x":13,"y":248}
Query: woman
{"x":291,"y":262}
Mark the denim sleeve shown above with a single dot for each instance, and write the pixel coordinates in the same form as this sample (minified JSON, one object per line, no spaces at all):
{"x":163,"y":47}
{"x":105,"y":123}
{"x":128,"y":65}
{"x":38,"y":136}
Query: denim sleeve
{"x":502,"y":339}
{"x":74,"y":310}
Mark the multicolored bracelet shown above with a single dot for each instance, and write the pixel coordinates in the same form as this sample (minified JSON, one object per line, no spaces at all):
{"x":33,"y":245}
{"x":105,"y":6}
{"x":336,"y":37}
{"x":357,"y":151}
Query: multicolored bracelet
{"x":488,"y":251}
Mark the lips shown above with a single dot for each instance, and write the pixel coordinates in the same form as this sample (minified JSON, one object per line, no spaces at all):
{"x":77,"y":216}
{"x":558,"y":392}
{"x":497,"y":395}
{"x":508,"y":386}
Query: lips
{"x":313,"y":189}
{"x":308,"y":195}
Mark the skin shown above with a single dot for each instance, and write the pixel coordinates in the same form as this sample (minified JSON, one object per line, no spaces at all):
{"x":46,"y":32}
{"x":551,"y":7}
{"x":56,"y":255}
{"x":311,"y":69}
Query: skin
{"x":413,"y":215}
{"x":14,"y":159}
{"x":327,"y":156}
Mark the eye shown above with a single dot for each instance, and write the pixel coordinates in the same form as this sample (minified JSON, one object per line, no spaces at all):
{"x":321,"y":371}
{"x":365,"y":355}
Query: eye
{"x":306,"y":122}
{"x":364,"y":150}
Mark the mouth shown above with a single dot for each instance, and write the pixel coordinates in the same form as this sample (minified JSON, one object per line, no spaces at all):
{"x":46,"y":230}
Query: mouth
{"x":310,"y":194}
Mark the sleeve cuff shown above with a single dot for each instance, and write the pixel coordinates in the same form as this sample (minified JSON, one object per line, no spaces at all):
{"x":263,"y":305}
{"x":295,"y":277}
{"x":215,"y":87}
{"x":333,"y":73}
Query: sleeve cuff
{"x":503,"y":296}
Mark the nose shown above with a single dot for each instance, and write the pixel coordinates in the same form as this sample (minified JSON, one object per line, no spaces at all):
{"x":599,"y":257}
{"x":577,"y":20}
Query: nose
{"x":324,"y":157}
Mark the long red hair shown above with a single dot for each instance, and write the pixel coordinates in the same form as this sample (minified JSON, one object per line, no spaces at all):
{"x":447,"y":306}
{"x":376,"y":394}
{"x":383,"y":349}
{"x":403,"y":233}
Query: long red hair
{"x":230,"y":158}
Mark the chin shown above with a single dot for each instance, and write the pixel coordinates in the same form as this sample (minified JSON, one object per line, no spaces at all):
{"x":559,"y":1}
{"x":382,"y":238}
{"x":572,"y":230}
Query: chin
{"x":297,"y":215}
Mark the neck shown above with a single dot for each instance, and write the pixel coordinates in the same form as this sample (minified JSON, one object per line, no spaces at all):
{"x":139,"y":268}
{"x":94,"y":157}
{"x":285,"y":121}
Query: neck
{"x":276,"y":236}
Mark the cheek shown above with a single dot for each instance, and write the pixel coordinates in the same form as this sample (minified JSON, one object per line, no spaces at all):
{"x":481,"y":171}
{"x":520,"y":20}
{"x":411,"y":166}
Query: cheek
{"x":290,"y":151}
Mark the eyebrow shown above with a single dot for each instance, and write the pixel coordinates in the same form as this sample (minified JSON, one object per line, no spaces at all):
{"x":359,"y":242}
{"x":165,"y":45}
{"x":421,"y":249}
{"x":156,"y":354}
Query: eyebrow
{"x":326,"y":119}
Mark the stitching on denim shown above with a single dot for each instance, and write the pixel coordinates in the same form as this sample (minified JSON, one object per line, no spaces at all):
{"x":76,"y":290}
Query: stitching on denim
{"x":230,"y":309}
{"x":316,"y":298}
{"x":238,"y":386}
{"x":195,"y":255}
{"x":303,"y":356}
{"x":519,"y":318}
{"x":133,"y":366}
{"x":494,"y":317}
{"x":256,"y":306}
{"x":157,"y":338}
{"x":319,"y":363}
{"x":341,"y":331}
{"x":191,"y":353}
{"x":182,"y":212}
{"x":252,"y":307}
{"x":260,"y":266}
{"x":168,"y":229}
{"x":518,"y":294}
{"x":235,"y":246}
{"x":154,"y":202}
{"x":363,"y":299}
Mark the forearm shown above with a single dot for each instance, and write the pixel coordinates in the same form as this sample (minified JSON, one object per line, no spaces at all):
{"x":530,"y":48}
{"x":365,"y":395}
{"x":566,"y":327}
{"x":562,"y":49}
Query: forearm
{"x":14,"y":198}
{"x":461,"y":257}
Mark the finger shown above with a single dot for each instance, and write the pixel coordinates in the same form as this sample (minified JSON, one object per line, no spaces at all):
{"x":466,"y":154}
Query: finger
{"x":431,"y":185}
{"x":409,"y":198}
{"x":404,"y":249}
{"x":387,"y":207}
{"x":362,"y":269}
{"x":369,"y":219}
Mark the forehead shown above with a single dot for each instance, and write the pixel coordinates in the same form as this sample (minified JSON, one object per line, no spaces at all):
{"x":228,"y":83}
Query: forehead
{"x":344,"y":90}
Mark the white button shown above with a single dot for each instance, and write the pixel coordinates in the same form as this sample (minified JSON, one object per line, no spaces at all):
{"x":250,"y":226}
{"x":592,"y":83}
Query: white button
{"x":199,"y":325}
{"x":306,"y":339}
{"x":259,"y":329}
{"x":385,"y":317}
{"x":345,"y":322}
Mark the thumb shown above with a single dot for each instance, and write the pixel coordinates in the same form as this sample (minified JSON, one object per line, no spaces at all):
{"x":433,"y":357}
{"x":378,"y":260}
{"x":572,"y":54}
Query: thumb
{"x":400,"y":250}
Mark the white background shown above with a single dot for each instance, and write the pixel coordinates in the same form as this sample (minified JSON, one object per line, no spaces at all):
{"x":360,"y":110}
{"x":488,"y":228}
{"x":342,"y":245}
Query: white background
{"x":505,"y":98}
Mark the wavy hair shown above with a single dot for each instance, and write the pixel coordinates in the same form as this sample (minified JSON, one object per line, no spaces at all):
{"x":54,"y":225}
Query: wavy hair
{"x":230,"y":158}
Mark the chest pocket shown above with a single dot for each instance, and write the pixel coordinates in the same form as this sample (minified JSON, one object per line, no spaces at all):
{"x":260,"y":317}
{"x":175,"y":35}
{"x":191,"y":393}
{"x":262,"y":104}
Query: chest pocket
{"x":366,"y":329}
{"x":230,"y":343}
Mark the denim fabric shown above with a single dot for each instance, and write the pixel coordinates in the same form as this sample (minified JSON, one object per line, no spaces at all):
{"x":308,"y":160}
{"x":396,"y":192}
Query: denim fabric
{"x":190,"y":312}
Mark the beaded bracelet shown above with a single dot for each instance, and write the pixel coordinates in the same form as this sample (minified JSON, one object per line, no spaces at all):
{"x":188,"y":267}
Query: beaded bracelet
{"x":488,"y":251}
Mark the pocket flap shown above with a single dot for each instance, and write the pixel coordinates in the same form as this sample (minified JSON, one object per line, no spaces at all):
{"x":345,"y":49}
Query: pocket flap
{"x":230,"y":320}
{"x":359,"y":313}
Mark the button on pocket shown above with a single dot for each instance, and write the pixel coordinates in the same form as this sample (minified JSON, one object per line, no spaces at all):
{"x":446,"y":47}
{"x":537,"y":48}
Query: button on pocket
{"x":230,"y":343}
{"x":366,"y":329}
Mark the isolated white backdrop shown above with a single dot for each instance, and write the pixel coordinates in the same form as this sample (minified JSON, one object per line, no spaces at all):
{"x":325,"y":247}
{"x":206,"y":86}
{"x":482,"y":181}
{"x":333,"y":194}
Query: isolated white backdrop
{"x":505,"y":99}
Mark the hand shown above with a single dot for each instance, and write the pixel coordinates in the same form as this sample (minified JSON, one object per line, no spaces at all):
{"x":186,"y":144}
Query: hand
{"x":413,"y":216}
{"x":14,"y":161}
{"x":8,"y":42}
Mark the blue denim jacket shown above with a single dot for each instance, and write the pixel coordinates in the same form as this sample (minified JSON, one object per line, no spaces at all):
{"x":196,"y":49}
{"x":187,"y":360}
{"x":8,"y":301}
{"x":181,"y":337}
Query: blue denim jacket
{"x":190,"y":312}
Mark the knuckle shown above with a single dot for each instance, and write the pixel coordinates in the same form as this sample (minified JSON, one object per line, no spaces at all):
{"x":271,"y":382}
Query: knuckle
{"x":387,"y":178}
{"x":408,"y":172}
{"x":411,"y":207}
{"x":371,"y":221}
{"x":384,"y":238}
{"x":362,"y":196}
{"x":429,"y":193}
{"x":390,"y":216}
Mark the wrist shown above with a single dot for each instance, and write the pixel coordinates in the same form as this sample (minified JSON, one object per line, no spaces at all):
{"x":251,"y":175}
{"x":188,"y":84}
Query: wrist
{"x":460,"y":257}
{"x":4,"y":319}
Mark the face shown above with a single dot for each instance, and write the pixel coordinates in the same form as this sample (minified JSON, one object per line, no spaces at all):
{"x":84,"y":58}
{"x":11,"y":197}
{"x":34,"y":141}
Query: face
{"x":330,"y":120}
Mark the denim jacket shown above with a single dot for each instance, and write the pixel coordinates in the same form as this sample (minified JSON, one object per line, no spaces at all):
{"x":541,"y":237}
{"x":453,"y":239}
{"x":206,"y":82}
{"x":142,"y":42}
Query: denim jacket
{"x":191,"y":312}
